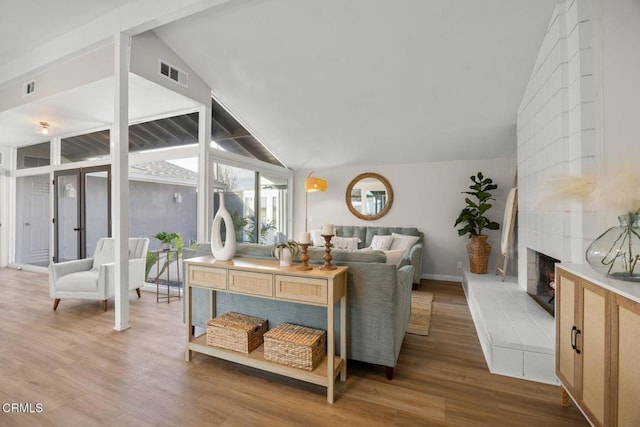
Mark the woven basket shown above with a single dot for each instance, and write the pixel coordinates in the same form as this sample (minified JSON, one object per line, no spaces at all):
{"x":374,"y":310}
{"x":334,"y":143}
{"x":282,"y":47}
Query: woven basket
{"x":235,"y":331}
{"x":296,"y":346}
{"x":479,"y":251}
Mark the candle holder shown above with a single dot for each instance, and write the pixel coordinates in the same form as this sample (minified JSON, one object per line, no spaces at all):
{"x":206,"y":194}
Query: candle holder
{"x":327,"y":253}
{"x":304,"y":257}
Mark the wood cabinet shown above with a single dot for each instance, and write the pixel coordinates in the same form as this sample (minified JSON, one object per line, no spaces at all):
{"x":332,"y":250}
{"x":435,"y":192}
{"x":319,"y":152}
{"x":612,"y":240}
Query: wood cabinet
{"x":597,"y":332}
{"x":266,"y":279}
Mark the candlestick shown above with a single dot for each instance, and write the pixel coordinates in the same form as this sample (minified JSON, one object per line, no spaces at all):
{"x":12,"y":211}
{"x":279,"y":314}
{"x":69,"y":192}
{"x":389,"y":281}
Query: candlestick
{"x":327,"y":253}
{"x":304,"y":257}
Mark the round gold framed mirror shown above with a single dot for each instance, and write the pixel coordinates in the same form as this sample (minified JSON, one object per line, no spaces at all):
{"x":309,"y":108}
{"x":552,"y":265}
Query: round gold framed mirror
{"x":369,"y":196}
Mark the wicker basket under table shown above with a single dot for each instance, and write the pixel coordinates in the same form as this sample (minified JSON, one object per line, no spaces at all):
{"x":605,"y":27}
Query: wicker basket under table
{"x":295,"y":345}
{"x":236,"y":331}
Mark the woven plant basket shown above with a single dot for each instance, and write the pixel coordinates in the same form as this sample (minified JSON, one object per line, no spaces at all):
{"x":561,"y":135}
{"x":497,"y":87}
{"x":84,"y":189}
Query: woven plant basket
{"x":296,"y":346}
{"x":237,"y":332}
{"x":479,"y":251}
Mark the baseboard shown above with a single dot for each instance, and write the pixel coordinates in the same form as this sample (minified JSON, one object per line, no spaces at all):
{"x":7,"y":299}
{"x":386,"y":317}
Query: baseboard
{"x":443,"y":277}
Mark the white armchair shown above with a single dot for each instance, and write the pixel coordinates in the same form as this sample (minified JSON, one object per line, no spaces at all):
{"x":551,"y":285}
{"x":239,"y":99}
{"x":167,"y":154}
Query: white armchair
{"x":94,"y":278}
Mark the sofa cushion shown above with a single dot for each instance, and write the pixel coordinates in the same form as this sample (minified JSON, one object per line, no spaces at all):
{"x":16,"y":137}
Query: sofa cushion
{"x":353,"y":231}
{"x":373,"y":231}
{"x":348,"y":243}
{"x":82,"y":281}
{"x":316,"y":255}
{"x":403,"y":242}
{"x":380,"y":242}
{"x":395,"y":256}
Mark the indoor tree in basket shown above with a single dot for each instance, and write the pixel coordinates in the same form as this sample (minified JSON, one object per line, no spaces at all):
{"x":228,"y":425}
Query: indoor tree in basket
{"x":474,"y":222}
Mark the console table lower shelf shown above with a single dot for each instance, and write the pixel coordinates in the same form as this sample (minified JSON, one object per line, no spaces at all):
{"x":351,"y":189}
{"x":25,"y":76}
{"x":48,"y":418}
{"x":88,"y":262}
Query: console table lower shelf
{"x":256,"y":359}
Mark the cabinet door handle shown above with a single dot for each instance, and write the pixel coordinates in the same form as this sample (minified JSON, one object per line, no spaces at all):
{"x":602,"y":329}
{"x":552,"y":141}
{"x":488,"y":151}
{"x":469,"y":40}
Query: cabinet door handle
{"x":573,"y":337}
{"x":578,"y":332}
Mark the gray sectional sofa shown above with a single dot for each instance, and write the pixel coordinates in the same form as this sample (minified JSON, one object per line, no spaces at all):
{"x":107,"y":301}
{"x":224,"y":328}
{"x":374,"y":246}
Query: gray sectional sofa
{"x":366,"y":233}
{"x":378,"y":298}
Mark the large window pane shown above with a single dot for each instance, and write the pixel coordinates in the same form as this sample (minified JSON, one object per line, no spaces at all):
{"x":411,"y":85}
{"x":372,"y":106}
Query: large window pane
{"x":273,"y":209}
{"x":239,"y":186}
{"x":32,"y":220}
{"x":163,"y":198}
{"x":85,"y":147}
{"x":34,"y":155}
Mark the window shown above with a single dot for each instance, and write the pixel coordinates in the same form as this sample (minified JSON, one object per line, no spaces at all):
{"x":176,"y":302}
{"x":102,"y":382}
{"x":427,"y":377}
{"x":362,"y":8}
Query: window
{"x":257,"y":218}
{"x":85,"y":147}
{"x":33,"y":156}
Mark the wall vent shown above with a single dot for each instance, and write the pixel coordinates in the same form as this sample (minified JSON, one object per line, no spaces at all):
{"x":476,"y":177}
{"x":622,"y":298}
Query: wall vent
{"x":29,"y":88}
{"x":174,"y":73}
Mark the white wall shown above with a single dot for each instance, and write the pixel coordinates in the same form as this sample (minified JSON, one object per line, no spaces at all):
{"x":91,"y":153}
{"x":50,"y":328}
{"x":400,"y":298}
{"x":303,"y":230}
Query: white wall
{"x":620,"y":91}
{"x":146,"y":52}
{"x":557,"y":137}
{"x":578,"y":116}
{"x":426,"y":196}
{"x":91,"y":66}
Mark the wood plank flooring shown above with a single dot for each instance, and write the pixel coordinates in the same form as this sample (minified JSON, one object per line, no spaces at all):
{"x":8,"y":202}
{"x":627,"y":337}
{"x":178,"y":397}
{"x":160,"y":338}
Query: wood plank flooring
{"x":84,"y":373}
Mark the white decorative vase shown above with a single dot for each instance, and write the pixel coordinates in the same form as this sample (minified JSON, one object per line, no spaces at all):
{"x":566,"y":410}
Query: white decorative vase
{"x":285,"y":256}
{"x":227,"y":251}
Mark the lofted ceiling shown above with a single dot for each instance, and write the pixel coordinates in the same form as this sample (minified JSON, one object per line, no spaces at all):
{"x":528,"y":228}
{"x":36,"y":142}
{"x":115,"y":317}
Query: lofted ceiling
{"x":334,"y":83}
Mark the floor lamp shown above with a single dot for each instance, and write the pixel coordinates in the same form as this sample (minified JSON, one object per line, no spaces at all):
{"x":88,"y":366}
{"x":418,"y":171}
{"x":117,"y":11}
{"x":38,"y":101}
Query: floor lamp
{"x":311,"y":184}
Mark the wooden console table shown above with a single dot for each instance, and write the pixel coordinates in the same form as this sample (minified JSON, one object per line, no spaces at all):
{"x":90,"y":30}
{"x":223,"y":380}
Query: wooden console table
{"x":266,"y":279}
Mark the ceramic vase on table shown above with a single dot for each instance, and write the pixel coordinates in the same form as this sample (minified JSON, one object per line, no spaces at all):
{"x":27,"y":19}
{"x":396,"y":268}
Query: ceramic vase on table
{"x":617,"y":251}
{"x":219,"y":250}
{"x":284,"y":255}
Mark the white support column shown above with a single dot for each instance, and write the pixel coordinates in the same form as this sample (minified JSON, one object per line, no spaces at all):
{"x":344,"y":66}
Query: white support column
{"x":204,"y":171}
{"x":120,"y":179}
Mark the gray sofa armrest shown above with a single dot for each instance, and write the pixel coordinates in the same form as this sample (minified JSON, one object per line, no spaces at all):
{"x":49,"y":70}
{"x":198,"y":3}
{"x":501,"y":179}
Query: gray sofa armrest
{"x":415,"y":257}
{"x":404,"y":285}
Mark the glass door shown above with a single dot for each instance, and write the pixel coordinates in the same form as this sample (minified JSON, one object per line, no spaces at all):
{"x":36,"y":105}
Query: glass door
{"x":82,"y":212}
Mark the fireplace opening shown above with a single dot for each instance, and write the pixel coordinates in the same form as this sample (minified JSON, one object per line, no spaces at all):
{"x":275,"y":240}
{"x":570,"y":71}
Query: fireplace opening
{"x":545,"y":282}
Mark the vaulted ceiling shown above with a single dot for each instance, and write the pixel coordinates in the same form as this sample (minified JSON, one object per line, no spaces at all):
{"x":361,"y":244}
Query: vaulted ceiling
{"x":332,"y":83}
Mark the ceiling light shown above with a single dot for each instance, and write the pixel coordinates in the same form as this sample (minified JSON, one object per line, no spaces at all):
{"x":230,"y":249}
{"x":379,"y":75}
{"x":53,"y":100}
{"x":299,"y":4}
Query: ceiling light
{"x":45,"y":128}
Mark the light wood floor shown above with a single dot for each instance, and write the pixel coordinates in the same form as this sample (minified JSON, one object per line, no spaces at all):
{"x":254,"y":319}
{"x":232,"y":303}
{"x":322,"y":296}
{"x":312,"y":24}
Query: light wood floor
{"x":84,"y":373}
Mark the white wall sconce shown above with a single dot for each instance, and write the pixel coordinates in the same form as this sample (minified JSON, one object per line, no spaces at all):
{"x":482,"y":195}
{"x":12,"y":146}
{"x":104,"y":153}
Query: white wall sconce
{"x":177,"y":197}
{"x":69,"y":191}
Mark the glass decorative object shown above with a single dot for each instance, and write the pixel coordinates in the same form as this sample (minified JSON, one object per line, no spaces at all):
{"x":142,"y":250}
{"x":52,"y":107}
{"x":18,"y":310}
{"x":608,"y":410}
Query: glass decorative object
{"x":617,"y":251}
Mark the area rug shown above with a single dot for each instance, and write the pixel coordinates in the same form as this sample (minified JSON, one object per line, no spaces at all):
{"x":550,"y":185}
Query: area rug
{"x":420,"y":313}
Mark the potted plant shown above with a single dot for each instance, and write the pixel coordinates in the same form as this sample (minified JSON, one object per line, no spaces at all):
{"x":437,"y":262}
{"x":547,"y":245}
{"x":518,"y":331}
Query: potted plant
{"x":285,"y":252}
{"x":474,"y":221}
{"x":167,"y":239}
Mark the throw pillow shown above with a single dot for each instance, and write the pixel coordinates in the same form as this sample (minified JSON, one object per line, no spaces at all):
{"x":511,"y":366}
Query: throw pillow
{"x":395,"y":257}
{"x":382,"y":243}
{"x":316,"y":238}
{"x":348,"y":243}
{"x":402,"y":241}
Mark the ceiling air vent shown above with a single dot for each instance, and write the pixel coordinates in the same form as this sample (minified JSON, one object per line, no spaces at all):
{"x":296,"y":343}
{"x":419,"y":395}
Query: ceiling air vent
{"x":29,"y":88}
{"x":174,"y":73}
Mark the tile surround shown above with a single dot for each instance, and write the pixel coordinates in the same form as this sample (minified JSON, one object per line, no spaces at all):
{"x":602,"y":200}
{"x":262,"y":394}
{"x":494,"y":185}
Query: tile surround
{"x":556,"y":136}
